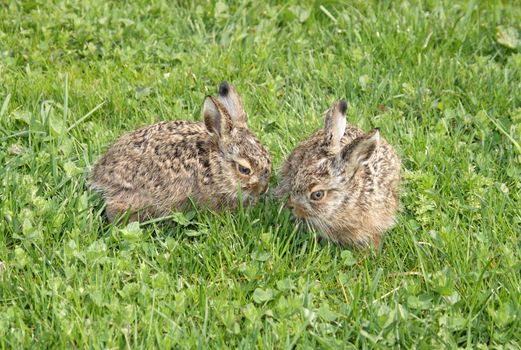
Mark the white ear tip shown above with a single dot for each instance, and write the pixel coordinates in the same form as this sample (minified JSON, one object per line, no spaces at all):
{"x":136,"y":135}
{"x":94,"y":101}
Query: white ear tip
{"x":209,"y":104}
{"x":341,"y":126}
{"x":375,"y":134}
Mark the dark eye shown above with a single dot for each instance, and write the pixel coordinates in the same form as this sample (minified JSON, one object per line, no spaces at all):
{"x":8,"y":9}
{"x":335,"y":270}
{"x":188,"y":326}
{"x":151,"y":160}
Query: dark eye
{"x":244,"y":170}
{"x":317,"y":195}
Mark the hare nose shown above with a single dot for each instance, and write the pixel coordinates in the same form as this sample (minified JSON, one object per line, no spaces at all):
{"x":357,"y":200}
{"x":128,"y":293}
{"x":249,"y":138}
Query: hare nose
{"x":290,"y":204}
{"x":263,"y":188}
{"x":260,"y":187}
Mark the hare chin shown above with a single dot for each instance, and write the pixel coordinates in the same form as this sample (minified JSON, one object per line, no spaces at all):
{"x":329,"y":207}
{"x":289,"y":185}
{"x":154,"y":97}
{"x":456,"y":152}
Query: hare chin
{"x":246,"y":198}
{"x":319,"y":226}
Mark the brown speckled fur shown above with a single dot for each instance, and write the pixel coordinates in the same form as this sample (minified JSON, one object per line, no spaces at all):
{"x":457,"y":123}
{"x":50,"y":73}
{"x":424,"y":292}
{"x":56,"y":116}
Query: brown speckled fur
{"x":360,"y":174}
{"x":160,"y":168}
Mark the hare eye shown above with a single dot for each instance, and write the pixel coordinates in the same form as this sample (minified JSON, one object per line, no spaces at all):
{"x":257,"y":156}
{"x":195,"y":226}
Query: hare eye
{"x":244,"y":170}
{"x":317,"y":195}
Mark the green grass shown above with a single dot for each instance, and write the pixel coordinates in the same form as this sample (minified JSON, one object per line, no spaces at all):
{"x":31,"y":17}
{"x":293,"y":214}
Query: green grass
{"x":440,"y":79}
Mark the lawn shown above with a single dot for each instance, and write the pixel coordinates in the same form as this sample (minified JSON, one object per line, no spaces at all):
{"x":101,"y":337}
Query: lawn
{"x":442,"y":81}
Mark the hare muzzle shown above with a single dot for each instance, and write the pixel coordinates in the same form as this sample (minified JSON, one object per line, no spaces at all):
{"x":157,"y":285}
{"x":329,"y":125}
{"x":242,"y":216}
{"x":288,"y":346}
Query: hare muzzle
{"x":262,"y":188}
{"x":297,"y":210}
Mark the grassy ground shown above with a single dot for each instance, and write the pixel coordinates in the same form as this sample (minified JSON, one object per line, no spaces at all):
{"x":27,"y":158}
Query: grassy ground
{"x":441,"y":80}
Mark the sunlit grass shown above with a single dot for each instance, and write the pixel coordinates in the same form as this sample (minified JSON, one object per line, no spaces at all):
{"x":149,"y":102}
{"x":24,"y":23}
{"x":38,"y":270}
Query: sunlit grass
{"x":440,"y":79}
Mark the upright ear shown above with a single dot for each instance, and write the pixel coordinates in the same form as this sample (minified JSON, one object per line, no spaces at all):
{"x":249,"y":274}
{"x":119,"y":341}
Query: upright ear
{"x":335,"y":126}
{"x":230,"y":99}
{"x":216,"y":118}
{"x":360,"y":149}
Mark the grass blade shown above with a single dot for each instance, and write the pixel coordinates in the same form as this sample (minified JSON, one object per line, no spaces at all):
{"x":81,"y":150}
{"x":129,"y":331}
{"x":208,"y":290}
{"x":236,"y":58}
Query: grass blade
{"x":79,"y":121}
{"x":5,"y":105}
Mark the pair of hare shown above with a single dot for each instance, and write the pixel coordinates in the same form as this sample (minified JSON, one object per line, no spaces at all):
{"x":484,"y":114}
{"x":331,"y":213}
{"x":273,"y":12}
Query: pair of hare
{"x":341,"y":181}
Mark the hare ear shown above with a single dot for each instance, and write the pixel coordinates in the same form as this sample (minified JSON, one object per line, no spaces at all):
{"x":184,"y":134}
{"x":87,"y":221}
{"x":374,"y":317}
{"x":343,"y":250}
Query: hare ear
{"x":360,"y":149}
{"x":335,"y":126}
{"x":231,"y":100}
{"x":216,"y":118}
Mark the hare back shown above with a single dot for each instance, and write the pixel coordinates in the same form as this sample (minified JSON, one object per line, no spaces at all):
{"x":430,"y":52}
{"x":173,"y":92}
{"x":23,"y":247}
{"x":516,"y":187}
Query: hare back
{"x":160,"y":160}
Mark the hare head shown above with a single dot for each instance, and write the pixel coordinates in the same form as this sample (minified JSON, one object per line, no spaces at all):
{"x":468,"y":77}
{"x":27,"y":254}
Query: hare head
{"x":243,"y":161}
{"x":342,"y":182}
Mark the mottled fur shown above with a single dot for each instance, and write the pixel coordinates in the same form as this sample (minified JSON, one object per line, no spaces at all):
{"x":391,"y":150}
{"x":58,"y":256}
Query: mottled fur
{"x":358,"y":174}
{"x":160,"y":168}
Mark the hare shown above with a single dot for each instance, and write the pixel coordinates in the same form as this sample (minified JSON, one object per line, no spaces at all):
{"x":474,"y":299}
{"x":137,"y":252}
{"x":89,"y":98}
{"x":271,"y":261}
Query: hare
{"x":163,"y":167}
{"x":343,"y":182}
